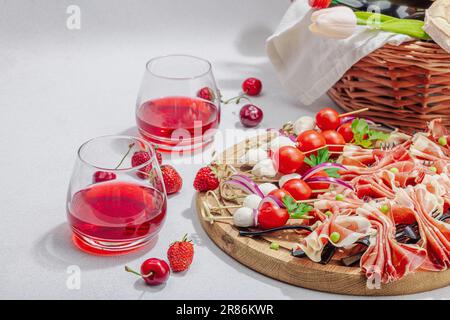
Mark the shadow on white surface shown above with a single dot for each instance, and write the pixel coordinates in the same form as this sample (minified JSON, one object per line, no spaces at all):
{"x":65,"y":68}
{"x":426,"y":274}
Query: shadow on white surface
{"x":55,"y":250}
{"x":143,"y":288}
{"x":251,"y":41}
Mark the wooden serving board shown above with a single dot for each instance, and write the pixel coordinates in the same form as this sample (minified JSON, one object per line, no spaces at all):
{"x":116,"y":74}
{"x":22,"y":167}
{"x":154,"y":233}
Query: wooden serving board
{"x":281,"y":265}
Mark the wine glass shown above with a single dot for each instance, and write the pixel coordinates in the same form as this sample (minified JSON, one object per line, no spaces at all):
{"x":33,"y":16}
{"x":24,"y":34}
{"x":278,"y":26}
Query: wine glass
{"x":114,"y":206}
{"x":178,"y":106}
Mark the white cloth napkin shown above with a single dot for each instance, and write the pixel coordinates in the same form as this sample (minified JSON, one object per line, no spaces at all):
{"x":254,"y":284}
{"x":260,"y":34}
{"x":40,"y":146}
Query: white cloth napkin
{"x":309,"y":65}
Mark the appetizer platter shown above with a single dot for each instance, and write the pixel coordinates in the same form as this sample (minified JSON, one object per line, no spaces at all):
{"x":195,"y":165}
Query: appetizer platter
{"x":335,"y":203}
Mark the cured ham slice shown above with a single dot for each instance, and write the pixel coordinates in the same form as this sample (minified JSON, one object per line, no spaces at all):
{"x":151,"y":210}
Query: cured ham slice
{"x":356,"y":156}
{"x":328,"y":202}
{"x":386,"y":259}
{"x":424,"y":148}
{"x":372,"y":187}
{"x":437,"y":130}
{"x":390,"y":159}
{"x":435,"y":234}
{"x":350,"y":229}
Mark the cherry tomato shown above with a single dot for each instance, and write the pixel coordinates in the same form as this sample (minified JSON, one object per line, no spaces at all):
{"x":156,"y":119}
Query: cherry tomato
{"x":328,"y":119}
{"x":288,"y":159}
{"x":298,"y":188}
{"x":303,"y":168}
{"x":346,"y":131}
{"x":279,"y":194}
{"x":269,"y":216}
{"x":333,"y":137}
{"x":319,"y":185}
{"x":310,"y":140}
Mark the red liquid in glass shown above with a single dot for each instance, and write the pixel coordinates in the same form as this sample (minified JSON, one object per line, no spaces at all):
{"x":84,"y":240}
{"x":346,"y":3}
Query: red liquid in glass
{"x":119,"y":213}
{"x":159,"y":119}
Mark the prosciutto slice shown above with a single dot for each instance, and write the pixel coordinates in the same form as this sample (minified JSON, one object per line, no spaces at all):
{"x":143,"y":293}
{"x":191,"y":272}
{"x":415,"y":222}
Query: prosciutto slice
{"x":435,"y":234}
{"x":350,"y":229}
{"x":385,"y":258}
{"x":424,"y":148}
{"x":328,"y":202}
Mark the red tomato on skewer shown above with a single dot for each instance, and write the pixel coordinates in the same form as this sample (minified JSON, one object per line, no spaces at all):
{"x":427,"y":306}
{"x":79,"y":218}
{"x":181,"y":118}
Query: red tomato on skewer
{"x":335,"y":138}
{"x":346,"y":131}
{"x":310,"y":140}
{"x":328,"y":119}
{"x":319,"y":185}
{"x":279,"y":194}
{"x":269,"y":216}
{"x":298,"y":188}
{"x":288,"y":159}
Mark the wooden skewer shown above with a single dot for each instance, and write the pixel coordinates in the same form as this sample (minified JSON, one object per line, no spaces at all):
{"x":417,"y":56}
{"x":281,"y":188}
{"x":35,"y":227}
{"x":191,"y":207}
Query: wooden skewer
{"x":225,"y":207}
{"x":306,"y":201}
{"x":326,"y":146}
{"x":320,"y":190}
{"x":220,"y":218}
{"x":353,"y":112}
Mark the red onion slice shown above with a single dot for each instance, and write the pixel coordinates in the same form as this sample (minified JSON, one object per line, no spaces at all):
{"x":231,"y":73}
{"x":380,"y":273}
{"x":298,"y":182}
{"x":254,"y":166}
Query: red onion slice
{"x":330,"y":181}
{"x":272,"y":200}
{"x":320,"y":167}
{"x":249,"y":183}
{"x":239,"y":185}
{"x":351,"y":118}
{"x":255,"y":217}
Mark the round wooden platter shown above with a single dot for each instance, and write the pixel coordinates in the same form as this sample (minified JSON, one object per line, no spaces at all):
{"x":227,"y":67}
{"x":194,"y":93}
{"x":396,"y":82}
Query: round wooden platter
{"x":281,"y":265}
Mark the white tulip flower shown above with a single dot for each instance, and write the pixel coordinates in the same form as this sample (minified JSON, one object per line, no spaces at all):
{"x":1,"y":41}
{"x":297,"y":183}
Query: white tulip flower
{"x":337,"y":22}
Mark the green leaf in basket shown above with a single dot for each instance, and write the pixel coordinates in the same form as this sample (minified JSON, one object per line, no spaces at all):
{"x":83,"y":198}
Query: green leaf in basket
{"x":368,"y":18}
{"x":409,"y":27}
{"x":413,"y":28}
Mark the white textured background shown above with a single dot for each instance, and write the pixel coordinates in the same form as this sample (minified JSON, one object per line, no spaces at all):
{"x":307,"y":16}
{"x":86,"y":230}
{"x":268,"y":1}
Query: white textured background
{"x":60,"y":87}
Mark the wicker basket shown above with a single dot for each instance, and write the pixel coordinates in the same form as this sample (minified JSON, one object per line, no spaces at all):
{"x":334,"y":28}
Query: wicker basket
{"x":404,"y":86}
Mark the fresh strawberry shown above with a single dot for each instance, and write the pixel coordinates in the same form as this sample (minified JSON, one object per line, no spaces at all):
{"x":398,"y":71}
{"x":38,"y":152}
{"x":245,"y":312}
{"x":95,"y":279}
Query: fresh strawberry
{"x":206,"y":179}
{"x":172,"y":179}
{"x":180,"y":254}
{"x":140,"y":157}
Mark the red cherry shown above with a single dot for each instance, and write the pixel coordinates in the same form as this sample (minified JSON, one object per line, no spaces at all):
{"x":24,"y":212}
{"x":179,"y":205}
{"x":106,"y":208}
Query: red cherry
{"x":328,"y":119}
{"x":154,"y":271}
{"x":250,"y":115}
{"x":206,"y":93}
{"x":102,"y":176}
{"x":252,"y":86}
{"x":270,"y":216}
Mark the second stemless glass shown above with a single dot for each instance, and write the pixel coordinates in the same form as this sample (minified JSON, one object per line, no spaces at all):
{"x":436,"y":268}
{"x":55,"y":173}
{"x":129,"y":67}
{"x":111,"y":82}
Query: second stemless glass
{"x":178,"y":106}
{"x":112,"y":206}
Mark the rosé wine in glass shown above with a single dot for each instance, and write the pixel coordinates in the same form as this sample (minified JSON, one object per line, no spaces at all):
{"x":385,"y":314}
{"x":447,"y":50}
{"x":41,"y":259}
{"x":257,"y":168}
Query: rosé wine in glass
{"x":118,"y":215}
{"x":170,"y":111}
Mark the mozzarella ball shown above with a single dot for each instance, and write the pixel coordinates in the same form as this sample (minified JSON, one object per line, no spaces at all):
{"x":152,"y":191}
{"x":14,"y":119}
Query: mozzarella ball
{"x":288,"y":177}
{"x":252,"y":201}
{"x":304,"y":123}
{"x":243,"y":217}
{"x":253,"y":156}
{"x":279,"y":142}
{"x":264,"y":168}
{"x":266,"y":188}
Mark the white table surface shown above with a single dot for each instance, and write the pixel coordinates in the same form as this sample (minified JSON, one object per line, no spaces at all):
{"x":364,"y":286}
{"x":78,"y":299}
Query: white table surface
{"x":60,"y":87}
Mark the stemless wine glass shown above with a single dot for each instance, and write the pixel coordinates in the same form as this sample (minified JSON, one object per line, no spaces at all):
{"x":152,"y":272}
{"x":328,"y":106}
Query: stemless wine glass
{"x":178,"y":106}
{"x":114,"y":207}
